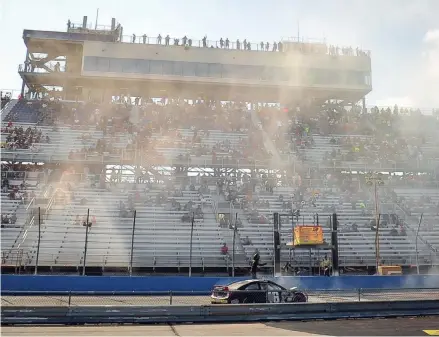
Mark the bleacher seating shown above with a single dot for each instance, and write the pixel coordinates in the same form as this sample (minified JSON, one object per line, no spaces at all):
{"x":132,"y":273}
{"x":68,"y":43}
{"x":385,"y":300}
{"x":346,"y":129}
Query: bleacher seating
{"x":161,"y":238}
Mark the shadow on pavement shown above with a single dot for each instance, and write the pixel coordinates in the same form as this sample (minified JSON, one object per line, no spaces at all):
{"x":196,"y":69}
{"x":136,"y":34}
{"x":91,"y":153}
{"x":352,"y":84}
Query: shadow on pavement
{"x":413,"y":326}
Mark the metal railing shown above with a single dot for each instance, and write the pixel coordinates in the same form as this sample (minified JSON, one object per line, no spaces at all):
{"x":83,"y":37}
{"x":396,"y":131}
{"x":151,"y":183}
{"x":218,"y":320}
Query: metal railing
{"x":13,"y":93}
{"x":14,"y":258}
{"x":26,"y":155}
{"x":27,"y":68}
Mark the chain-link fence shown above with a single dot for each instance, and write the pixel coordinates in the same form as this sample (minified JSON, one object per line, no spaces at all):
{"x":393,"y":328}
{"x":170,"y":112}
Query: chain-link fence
{"x":216,"y":297}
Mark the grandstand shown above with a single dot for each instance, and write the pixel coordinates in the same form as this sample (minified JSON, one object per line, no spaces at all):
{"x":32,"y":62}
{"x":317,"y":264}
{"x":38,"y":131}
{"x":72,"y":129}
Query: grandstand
{"x":118,"y":163}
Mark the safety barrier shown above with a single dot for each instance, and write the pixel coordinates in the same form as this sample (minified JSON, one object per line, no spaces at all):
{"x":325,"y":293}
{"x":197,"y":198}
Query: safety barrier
{"x":213,"y":313}
{"x":159,"y":298}
{"x":181,"y":283}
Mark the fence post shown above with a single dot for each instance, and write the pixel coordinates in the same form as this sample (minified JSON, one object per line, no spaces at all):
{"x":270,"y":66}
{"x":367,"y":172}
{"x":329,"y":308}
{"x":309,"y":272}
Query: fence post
{"x":39,"y":241}
{"x":86,"y":242}
{"x":132,"y":243}
{"x":359,"y":294}
{"x":170,"y":297}
{"x":377,"y":242}
{"x":190,"y":247}
{"x":70,"y":298}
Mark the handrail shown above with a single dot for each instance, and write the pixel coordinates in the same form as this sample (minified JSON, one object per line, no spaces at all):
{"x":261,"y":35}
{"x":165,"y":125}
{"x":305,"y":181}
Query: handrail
{"x":24,"y":236}
{"x":215,"y":208}
{"x":32,"y":220}
{"x":428,"y":244}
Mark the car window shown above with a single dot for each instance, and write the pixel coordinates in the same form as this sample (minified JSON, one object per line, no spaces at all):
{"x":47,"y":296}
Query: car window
{"x":252,"y":286}
{"x":274,"y":287}
{"x":263,"y":286}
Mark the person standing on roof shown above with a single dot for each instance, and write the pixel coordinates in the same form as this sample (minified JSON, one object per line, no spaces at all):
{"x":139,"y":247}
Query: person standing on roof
{"x":256,"y":263}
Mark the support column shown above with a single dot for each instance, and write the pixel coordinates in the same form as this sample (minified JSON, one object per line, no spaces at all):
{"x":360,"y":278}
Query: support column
{"x":23,"y":84}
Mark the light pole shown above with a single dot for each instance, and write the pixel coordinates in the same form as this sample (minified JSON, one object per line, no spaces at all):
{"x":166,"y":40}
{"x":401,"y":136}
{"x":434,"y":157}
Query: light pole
{"x":233,"y":248}
{"x":375,"y":180}
{"x":416,"y":244}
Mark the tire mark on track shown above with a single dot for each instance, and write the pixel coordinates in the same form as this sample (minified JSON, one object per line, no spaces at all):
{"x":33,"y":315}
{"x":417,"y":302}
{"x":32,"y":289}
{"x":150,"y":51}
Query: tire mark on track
{"x":174,"y":330}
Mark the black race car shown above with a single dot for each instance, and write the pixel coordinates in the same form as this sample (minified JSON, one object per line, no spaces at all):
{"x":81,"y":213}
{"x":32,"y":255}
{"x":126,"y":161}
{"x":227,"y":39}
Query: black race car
{"x":256,"y":291}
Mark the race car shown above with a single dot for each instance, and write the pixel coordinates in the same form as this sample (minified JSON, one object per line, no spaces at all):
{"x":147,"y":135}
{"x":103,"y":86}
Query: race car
{"x":256,"y":291}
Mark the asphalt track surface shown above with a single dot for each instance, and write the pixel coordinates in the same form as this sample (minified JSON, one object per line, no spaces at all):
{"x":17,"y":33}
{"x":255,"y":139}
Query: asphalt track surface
{"x":314,"y":297}
{"x":357,"y":327}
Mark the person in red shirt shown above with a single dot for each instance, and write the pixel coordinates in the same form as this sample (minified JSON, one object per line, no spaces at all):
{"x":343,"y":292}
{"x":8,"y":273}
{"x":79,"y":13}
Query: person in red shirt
{"x":224,"y":249}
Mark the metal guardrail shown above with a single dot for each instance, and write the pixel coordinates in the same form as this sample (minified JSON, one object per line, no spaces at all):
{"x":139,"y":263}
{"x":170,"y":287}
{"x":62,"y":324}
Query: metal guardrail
{"x":154,"y":298}
{"x":213,"y":313}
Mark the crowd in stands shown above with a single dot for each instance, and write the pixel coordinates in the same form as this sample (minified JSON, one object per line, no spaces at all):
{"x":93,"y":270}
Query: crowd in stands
{"x":20,"y":138}
{"x":373,"y":136}
{"x":14,"y":188}
{"x":155,"y":124}
{"x":168,"y":197}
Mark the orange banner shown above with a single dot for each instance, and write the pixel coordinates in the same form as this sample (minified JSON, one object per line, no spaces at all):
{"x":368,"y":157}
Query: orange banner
{"x":308,"y":235}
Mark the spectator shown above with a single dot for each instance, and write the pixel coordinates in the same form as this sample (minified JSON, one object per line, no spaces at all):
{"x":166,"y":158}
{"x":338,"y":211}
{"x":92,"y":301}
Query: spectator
{"x":246,"y":241}
{"x":326,"y":266}
{"x":224,"y":249}
{"x":256,"y":263}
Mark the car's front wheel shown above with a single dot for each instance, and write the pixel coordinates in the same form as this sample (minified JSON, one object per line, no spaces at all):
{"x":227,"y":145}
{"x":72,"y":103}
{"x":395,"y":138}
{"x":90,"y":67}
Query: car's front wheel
{"x":299,"y":297}
{"x":247,"y":301}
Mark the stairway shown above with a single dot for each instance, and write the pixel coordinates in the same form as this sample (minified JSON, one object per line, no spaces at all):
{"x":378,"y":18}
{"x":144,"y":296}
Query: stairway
{"x":227,"y":235}
{"x":276,"y":160}
{"x":8,"y":107}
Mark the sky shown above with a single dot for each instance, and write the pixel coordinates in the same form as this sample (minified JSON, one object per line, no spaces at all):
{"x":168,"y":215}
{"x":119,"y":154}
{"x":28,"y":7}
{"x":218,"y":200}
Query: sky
{"x":403,"y":35}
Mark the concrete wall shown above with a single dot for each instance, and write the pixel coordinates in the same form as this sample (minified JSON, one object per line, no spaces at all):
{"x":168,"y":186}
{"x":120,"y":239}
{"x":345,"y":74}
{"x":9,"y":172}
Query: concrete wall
{"x":178,"y":283}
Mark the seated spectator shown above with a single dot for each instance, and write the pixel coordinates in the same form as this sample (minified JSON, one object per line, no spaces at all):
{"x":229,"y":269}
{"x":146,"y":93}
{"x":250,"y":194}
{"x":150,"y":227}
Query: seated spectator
{"x":246,"y":241}
{"x":84,"y":223}
{"x":223,"y":222}
{"x":394,"y":232}
{"x":198,"y":211}
{"x":186,"y":218}
{"x":402,"y":231}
